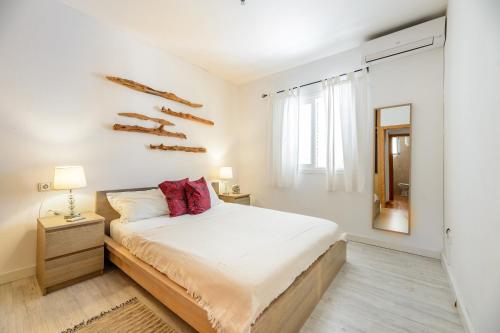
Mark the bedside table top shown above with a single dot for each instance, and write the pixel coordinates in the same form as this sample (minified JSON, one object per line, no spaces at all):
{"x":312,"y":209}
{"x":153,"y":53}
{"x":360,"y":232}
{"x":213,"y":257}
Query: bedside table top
{"x":233,"y":195}
{"x":58,"y":221}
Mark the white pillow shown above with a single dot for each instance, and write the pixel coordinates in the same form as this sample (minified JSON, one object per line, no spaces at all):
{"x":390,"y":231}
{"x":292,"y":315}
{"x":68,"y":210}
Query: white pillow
{"x":214,"y":198}
{"x":138,"y":205}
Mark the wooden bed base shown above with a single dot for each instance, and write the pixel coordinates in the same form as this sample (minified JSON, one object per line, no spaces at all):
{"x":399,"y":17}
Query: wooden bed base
{"x":287,"y":313}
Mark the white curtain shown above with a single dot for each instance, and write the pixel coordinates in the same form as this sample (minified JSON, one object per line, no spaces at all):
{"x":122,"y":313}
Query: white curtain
{"x":345,"y":100}
{"x":285,"y":138}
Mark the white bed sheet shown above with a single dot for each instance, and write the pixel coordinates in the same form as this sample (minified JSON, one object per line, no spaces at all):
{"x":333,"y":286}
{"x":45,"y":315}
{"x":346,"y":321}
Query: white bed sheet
{"x":233,"y":259}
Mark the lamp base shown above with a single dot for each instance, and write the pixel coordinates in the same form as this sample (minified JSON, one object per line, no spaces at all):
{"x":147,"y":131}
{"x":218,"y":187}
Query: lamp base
{"x":74,"y":218}
{"x":226,"y":192}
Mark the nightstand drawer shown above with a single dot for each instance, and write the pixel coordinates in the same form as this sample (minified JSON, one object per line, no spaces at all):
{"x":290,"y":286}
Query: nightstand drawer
{"x":72,"y":266}
{"x":72,"y":239}
{"x":242,"y":201}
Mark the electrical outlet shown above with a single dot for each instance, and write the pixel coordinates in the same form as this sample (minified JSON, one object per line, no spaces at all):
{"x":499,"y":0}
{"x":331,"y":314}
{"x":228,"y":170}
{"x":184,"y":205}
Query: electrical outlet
{"x":44,"y":187}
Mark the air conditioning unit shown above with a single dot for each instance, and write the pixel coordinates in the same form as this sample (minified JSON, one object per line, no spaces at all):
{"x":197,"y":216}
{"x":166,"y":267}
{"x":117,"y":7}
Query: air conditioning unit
{"x":422,"y":37}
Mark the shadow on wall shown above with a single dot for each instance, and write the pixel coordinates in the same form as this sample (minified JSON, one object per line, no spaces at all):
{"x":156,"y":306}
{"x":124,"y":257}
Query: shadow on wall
{"x":25,"y":245}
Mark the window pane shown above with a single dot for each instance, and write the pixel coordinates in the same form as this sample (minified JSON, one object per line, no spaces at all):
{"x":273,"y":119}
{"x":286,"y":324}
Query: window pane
{"x":395,"y":145}
{"x":321,"y":133}
{"x":305,"y":115}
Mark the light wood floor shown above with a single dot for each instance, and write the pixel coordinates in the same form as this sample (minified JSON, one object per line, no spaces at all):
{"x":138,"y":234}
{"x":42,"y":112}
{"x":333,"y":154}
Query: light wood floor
{"x":392,"y":220}
{"x":394,"y":216}
{"x":377,"y":290}
{"x":381,"y":290}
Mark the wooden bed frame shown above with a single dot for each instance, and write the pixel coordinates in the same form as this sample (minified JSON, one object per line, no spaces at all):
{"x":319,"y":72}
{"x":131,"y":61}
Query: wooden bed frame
{"x":287,"y":313}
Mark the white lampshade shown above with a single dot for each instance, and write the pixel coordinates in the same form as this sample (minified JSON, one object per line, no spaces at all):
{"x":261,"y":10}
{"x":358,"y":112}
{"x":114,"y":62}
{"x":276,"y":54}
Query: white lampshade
{"x":226,"y":173}
{"x":69,"y":177}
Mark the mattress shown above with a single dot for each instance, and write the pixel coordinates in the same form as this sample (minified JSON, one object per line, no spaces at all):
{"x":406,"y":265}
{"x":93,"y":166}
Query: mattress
{"x":233,"y":259}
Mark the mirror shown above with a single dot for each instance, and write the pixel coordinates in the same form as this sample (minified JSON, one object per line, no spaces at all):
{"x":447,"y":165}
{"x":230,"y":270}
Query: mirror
{"x":391,"y":181}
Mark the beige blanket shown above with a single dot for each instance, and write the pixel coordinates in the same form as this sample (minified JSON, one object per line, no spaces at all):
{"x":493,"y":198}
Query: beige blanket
{"x":233,"y":259}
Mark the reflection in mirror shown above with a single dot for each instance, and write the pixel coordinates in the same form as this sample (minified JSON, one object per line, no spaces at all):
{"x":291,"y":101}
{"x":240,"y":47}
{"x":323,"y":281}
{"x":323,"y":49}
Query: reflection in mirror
{"x":391,"y":197}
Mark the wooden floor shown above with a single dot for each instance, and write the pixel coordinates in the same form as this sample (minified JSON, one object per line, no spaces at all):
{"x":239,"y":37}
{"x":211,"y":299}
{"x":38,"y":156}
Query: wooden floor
{"x":394,"y":216}
{"x":381,"y":290}
{"x":377,"y":290}
{"x":392,"y":220}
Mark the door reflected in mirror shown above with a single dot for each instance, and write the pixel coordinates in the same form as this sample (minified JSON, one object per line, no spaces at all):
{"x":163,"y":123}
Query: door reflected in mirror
{"x":392,"y":187}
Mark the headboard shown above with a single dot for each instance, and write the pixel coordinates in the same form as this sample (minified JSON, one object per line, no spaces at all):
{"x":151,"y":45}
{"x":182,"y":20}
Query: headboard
{"x":103,"y":208}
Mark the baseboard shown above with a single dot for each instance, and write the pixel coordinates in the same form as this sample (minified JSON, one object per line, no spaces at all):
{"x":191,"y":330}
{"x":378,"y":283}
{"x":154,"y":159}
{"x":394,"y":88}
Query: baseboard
{"x":458,"y":296}
{"x":17,"y":274}
{"x":387,"y":245}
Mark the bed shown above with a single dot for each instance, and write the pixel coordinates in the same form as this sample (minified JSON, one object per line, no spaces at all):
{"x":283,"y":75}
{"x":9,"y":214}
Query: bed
{"x":195,"y":265}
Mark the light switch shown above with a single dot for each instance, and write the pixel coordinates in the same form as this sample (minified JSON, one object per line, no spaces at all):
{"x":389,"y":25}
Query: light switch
{"x":44,"y":187}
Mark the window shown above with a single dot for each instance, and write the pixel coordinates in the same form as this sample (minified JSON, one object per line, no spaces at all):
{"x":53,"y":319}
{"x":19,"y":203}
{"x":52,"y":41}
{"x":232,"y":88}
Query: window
{"x":305,"y":134}
{"x":395,"y":145}
{"x":313,"y":134}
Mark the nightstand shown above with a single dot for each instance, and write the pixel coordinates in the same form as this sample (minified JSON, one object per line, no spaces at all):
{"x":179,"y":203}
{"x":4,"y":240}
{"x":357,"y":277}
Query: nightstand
{"x":68,"y":252}
{"x":242,"y":199}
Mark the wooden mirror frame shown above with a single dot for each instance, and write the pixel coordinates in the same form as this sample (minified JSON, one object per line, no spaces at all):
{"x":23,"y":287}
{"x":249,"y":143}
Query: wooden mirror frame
{"x":379,"y":164}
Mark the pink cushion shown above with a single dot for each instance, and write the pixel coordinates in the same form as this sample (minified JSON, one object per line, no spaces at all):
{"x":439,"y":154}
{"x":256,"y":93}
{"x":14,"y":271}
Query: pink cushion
{"x":175,"y":193}
{"x":198,"y":197}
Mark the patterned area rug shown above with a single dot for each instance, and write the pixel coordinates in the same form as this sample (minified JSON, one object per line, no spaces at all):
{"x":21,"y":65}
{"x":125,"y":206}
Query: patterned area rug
{"x":131,"y":316}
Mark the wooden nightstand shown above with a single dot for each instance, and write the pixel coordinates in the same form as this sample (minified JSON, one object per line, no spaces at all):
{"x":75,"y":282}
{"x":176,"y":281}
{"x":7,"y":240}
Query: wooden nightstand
{"x":242,"y":199}
{"x":68,"y":252}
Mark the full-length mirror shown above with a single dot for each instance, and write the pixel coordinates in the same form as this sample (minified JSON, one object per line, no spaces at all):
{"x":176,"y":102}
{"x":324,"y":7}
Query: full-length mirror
{"x":392,"y":188}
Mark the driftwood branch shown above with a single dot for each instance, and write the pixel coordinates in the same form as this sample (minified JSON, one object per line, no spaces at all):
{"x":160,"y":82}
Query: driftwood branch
{"x":148,"y":90}
{"x":156,"y":131}
{"x":187,"y":116}
{"x":179,"y":148}
{"x":144,"y":117}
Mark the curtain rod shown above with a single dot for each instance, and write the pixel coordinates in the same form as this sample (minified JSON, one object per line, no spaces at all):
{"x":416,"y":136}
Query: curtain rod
{"x":311,"y":83}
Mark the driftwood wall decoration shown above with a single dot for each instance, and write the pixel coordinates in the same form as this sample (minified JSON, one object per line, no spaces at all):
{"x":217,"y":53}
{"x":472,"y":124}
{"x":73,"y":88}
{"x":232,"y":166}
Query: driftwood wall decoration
{"x":144,"y":117}
{"x":179,"y":148}
{"x":148,"y":90}
{"x":159,"y":130}
{"x":156,"y":131}
{"x":187,"y":116}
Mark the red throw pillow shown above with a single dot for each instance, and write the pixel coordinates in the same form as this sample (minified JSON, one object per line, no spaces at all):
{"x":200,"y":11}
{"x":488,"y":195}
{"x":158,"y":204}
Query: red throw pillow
{"x":198,"y":197}
{"x":175,"y":193}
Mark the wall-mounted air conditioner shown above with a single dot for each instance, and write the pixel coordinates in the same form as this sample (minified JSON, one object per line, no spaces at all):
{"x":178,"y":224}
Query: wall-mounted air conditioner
{"x":419,"y":38}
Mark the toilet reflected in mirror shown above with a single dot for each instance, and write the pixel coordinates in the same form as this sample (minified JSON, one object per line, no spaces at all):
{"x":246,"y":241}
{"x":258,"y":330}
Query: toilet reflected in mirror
{"x":392,"y":187}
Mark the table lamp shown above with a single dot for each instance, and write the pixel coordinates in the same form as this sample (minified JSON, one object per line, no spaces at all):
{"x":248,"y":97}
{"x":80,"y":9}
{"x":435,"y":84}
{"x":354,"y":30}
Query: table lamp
{"x":225,"y":173}
{"x":69,"y":178}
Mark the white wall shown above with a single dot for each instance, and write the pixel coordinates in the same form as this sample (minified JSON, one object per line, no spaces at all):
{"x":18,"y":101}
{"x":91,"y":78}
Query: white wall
{"x":472,"y":159}
{"x":56,"y":109}
{"x":415,"y":79}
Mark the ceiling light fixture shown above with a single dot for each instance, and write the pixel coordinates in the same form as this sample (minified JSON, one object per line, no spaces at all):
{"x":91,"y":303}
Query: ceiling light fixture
{"x":243,"y":2}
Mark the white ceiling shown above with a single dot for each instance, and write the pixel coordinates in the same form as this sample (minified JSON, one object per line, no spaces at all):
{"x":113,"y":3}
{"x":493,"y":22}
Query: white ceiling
{"x":243,"y":43}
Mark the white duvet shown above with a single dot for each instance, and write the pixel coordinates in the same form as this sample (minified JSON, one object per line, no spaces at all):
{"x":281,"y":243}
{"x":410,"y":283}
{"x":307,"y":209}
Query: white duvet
{"x":233,"y":259}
